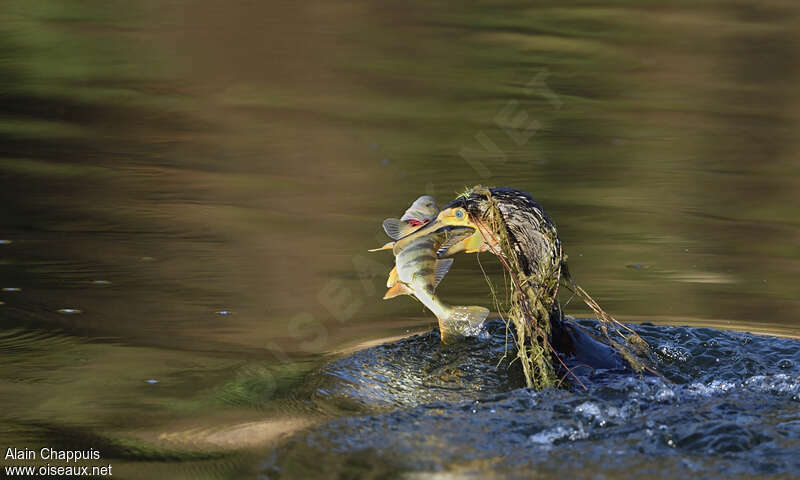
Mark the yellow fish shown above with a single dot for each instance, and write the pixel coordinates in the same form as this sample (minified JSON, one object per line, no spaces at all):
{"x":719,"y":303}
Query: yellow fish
{"x":418,"y":272}
{"x":424,"y":209}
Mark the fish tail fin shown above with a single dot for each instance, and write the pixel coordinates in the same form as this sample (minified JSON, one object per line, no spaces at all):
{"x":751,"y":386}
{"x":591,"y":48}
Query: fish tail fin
{"x":473,"y":315}
{"x":462,"y":322}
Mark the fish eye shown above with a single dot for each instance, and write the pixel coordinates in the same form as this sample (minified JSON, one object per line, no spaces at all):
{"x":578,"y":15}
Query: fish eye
{"x":459,"y":214}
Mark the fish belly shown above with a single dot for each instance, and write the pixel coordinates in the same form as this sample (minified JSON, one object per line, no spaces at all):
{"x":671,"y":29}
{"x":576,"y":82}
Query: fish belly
{"x":416,"y":268}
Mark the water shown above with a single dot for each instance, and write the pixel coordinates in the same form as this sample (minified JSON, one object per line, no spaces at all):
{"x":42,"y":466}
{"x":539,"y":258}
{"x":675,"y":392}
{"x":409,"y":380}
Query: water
{"x":728,"y":405}
{"x":161,"y":164}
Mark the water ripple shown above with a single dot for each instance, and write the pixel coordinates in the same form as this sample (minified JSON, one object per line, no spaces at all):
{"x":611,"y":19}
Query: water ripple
{"x":421,"y":412}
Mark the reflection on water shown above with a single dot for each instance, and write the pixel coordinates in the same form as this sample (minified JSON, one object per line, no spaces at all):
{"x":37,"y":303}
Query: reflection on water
{"x":189,"y":190}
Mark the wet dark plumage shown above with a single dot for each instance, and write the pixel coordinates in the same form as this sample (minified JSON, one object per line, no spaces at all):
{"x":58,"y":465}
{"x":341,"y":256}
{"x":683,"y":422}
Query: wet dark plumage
{"x":534,"y":239}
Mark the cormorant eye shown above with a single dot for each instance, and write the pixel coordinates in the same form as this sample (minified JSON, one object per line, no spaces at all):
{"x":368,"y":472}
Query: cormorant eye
{"x":459,"y":214}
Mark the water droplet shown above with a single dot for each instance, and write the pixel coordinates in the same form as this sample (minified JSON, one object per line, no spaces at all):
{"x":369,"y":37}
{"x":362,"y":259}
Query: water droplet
{"x":11,"y":289}
{"x":224,"y":312}
{"x":69,"y":311}
{"x":5,"y":242}
{"x":152,"y":381}
{"x":2,"y":303}
{"x":147,"y":259}
{"x":665,"y":395}
{"x":674,"y":353}
{"x":385,"y":162}
{"x":101,"y":282}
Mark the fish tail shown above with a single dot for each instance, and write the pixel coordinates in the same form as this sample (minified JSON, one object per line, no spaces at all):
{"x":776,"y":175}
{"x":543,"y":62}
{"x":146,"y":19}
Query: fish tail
{"x":462,"y":322}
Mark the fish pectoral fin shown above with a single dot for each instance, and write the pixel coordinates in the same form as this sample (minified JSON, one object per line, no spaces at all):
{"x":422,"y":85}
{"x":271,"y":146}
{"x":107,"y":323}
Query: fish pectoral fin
{"x":397,"y":289}
{"x":392,"y":280}
{"x":388,"y":246}
{"x":452,"y":241}
{"x":396,"y":228}
{"x":442,"y":267}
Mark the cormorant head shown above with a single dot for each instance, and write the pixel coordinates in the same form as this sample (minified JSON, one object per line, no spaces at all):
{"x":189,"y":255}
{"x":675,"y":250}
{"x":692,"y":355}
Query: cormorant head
{"x":456,"y":216}
{"x":530,"y":231}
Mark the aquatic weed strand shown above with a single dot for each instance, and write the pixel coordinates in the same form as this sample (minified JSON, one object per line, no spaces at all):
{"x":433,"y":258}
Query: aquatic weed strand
{"x":639,"y":349}
{"x":544,"y":283}
{"x":533,"y":348}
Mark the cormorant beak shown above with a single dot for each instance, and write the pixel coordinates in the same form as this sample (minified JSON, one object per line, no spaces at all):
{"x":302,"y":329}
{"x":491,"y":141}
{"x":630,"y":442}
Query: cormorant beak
{"x":451,"y":217}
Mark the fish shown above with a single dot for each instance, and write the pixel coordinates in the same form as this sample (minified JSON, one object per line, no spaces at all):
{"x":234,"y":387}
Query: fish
{"x":462,"y":240}
{"x":451,"y":217}
{"x":419,"y":270}
{"x":422,"y":211}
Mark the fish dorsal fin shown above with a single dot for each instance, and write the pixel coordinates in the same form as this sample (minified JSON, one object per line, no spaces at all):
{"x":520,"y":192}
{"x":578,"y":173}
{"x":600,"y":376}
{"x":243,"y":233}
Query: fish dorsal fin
{"x":442,"y":267}
{"x":397,"y":290}
{"x":396,"y":228}
{"x":387,"y":246}
{"x":392,"y":280}
{"x":453,"y":240}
